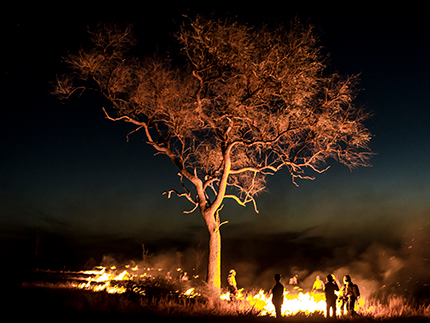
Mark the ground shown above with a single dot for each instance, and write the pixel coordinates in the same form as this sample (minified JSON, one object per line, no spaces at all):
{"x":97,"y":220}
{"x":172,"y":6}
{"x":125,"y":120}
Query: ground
{"x":53,"y":304}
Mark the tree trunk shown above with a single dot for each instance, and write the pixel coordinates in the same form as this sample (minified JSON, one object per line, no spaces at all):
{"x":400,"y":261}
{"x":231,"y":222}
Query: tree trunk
{"x":214,"y":252}
{"x":212,"y":220}
{"x":214,"y":261}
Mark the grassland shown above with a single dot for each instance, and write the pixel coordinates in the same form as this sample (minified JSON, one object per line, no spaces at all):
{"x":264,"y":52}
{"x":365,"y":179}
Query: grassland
{"x":53,"y":304}
{"x":53,"y":301}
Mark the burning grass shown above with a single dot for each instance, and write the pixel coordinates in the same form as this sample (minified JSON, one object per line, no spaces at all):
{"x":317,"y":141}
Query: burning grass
{"x":60,"y":303}
{"x":113,"y":294}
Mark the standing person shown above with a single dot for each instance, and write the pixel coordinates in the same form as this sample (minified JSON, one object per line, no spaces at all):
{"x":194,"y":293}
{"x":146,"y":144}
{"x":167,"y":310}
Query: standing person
{"x":184,"y":277}
{"x":294,"y":285}
{"x":350,"y":293}
{"x":294,"y":280}
{"x":278,"y":295}
{"x":330,"y":287}
{"x":318,"y":285}
{"x":232,"y":284}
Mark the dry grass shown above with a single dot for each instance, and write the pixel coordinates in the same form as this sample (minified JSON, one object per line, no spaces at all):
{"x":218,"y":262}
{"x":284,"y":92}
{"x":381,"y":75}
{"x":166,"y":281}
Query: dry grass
{"x":53,"y":303}
{"x":397,"y":307}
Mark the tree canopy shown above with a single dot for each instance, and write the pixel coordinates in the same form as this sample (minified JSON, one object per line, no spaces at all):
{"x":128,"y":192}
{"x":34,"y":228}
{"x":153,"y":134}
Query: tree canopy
{"x":247,"y":102}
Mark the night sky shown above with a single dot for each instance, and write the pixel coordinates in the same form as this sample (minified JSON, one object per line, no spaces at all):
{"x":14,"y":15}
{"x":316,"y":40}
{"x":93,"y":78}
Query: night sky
{"x":72,"y":188}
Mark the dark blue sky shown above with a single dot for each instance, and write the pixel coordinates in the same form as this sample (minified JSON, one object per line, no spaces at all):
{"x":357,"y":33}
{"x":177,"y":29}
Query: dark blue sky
{"x":69,"y":177}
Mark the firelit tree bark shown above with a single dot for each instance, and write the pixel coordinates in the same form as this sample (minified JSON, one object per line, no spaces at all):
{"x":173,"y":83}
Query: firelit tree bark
{"x":247,"y":103}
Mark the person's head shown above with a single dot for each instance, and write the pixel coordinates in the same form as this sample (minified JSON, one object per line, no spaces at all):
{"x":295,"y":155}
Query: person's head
{"x":330,"y":278}
{"x":232,"y":272}
{"x":346,"y":279}
{"x":277,"y":277}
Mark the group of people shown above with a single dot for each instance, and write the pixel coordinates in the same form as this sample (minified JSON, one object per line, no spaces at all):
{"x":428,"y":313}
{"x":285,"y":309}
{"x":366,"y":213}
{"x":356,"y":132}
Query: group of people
{"x":348,"y":294}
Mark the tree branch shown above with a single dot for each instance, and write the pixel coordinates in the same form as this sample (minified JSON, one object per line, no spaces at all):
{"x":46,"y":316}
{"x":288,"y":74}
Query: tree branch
{"x":169,"y":193}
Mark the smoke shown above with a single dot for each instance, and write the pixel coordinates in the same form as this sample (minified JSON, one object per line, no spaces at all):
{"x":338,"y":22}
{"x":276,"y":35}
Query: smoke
{"x":381,"y":267}
{"x":165,"y":263}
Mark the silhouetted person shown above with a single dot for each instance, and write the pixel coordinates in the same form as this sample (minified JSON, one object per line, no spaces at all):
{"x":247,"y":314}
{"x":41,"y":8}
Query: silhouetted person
{"x":330,"y":287}
{"x":232,"y":284}
{"x":278,"y":295}
{"x":318,"y":285}
{"x":350,"y":293}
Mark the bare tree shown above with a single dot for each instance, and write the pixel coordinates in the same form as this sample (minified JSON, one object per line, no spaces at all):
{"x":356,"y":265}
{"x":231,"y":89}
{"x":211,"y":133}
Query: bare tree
{"x":247,"y":103}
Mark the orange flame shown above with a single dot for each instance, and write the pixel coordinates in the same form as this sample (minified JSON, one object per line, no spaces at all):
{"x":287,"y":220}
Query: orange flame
{"x":101,"y":276}
{"x":307,"y":303}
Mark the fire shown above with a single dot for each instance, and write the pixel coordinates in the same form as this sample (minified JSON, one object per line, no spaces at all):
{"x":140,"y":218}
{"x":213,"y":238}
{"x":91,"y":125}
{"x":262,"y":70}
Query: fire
{"x":295,"y":301}
{"x":103,"y":280}
{"x":191,"y":293}
{"x":302,"y":302}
